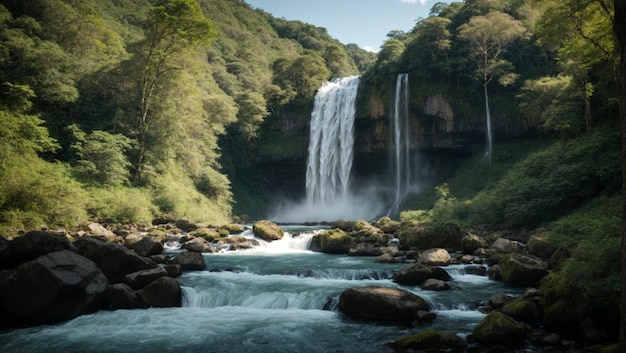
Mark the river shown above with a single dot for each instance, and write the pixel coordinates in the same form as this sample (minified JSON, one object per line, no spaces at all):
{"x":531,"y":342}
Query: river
{"x":279,"y":297}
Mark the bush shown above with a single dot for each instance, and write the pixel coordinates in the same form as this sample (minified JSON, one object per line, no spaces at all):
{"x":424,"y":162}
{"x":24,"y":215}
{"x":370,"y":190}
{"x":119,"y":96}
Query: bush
{"x":121,"y":204}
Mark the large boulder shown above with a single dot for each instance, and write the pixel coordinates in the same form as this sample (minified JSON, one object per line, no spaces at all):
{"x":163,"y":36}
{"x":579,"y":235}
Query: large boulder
{"x":498,"y":329}
{"x":190,"y":261}
{"x":418,"y":273}
{"x":382,"y":304}
{"x":58,"y":286}
{"x":30,"y":246}
{"x":521,"y":270}
{"x":429,"y":341}
{"x":435,"y":285}
{"x":523,"y":310}
{"x":472,"y":242}
{"x":113,"y":259}
{"x":140,"y":279}
{"x":435,"y":257}
{"x":121,"y":296}
{"x":267,"y":230}
{"x":541,"y":247}
{"x":197,"y":245}
{"x":446,"y":235}
{"x":163,"y":293}
{"x":333,"y":241}
{"x":505,"y":246}
{"x":147,"y":246}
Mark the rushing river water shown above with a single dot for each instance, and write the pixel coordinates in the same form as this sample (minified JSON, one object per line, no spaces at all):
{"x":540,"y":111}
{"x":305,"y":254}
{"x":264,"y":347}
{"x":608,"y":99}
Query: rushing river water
{"x":275,"y":298}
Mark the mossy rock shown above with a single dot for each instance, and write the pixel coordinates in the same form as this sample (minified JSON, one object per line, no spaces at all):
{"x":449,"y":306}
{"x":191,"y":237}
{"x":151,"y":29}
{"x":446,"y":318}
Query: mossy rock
{"x":428,"y":236}
{"x":267,"y":230}
{"x":498,"y":329}
{"x":158,"y":234}
{"x":208,"y":234}
{"x":346,"y":226}
{"x":523,"y":310}
{"x":520,"y":270}
{"x":429,"y":341}
{"x":541,"y":247}
{"x":472,"y":242}
{"x":333,"y":241}
{"x":231,"y":228}
{"x":562,"y":310}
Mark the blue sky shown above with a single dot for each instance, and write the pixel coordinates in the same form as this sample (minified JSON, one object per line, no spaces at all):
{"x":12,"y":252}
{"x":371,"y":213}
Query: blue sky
{"x":364,"y":22}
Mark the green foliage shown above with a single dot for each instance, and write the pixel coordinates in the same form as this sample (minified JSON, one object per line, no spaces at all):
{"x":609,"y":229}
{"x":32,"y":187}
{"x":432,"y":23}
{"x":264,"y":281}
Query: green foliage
{"x":101,"y":157}
{"x":121,"y":204}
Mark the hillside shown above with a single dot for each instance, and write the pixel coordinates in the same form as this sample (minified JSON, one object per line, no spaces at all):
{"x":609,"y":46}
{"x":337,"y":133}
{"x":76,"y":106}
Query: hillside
{"x":114,"y":109}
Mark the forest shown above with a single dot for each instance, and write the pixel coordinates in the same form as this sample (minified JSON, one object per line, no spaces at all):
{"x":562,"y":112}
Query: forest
{"x":127,"y":110}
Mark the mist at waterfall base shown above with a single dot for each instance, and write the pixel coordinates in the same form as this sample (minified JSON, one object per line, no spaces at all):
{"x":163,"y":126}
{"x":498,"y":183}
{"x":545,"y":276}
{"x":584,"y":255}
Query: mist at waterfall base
{"x":277,"y":297}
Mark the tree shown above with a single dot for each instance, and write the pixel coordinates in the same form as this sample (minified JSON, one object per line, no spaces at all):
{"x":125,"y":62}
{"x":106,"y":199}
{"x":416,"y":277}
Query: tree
{"x":173,"y":27}
{"x":488,"y":36}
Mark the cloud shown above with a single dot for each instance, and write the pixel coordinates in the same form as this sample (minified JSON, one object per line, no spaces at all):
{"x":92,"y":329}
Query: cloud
{"x":423,"y":2}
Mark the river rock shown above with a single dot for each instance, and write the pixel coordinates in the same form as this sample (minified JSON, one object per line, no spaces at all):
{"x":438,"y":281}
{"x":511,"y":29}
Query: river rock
{"x":497,"y":301}
{"x":333,"y":241}
{"x":387,"y":225}
{"x":132,"y":238}
{"x":267,"y":230}
{"x":165,"y":292}
{"x":472,"y":242}
{"x":98,"y":229}
{"x":365,"y":249}
{"x":173,"y":270}
{"x":190,"y":261}
{"x":521,"y":270}
{"x":498,"y":329}
{"x":121,"y":296}
{"x":58,"y":286}
{"x":429,"y":341}
{"x":140,"y":279}
{"x":505,"y":246}
{"x":147,"y":246}
{"x":435,"y":285}
{"x":541,"y":247}
{"x":197,"y":245}
{"x":113,"y":259}
{"x":418,"y":273}
{"x":30,"y":246}
{"x":475,"y":270}
{"x":523,"y":310}
{"x":435,"y":257}
{"x":495,"y":273}
{"x":382,"y":304}
{"x":185,"y":225}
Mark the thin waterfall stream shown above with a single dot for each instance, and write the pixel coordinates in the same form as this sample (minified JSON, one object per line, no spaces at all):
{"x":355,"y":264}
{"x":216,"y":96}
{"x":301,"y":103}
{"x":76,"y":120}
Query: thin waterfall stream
{"x":401,"y":144}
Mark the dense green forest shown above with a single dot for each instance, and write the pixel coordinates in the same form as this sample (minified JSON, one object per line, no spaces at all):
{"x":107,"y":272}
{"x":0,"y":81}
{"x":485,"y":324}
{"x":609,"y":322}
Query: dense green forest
{"x":114,"y":109}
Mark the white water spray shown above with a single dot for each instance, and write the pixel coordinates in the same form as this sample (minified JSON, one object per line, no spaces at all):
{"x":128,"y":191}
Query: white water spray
{"x":400,"y":160}
{"x":331,"y":141}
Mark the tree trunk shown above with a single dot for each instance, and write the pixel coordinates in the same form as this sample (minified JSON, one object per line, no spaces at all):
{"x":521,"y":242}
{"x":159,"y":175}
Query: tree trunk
{"x":619,"y":27}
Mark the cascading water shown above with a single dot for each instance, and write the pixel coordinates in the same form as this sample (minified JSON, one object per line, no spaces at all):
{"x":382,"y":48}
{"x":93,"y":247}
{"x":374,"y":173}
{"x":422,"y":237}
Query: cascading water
{"x":331,"y":140}
{"x":400,"y":149}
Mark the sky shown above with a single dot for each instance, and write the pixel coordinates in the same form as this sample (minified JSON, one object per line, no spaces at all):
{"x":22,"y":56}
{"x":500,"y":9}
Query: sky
{"x":364,"y":22}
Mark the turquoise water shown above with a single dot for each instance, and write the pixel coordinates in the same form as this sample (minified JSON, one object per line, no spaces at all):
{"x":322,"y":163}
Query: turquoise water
{"x":276,"y":298}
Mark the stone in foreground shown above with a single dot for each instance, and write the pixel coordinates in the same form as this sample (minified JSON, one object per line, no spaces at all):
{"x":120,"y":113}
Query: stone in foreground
{"x":383,"y":304}
{"x":429,"y":341}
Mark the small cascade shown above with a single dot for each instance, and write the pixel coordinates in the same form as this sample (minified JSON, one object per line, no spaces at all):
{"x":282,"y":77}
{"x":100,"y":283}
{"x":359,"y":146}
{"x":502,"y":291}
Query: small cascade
{"x":288,"y":244}
{"x":331,"y":141}
{"x":400,"y":139}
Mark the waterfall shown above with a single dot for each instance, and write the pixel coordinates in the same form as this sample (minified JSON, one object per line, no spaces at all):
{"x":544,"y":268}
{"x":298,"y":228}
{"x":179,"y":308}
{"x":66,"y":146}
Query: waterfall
{"x":331,"y":141}
{"x":400,"y":149}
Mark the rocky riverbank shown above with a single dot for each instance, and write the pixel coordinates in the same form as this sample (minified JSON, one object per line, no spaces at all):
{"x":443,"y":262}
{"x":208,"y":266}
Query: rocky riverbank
{"x":49,"y":276}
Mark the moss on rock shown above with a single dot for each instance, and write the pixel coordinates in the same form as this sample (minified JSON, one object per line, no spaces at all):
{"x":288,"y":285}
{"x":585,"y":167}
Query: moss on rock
{"x":333,"y":241}
{"x":267,"y":230}
{"x":499,"y":329}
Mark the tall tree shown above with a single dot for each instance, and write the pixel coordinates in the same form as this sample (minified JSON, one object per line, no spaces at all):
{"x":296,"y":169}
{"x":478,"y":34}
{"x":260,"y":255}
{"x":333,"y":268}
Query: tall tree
{"x":488,"y":36}
{"x":172,"y":29}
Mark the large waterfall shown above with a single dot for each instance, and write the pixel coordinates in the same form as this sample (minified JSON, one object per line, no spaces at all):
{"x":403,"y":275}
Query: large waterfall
{"x":400,"y":160}
{"x":331,"y":141}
